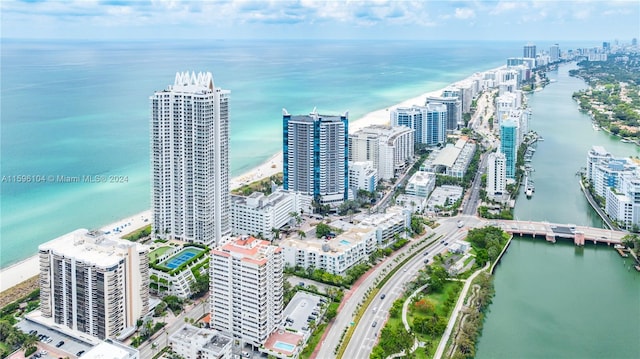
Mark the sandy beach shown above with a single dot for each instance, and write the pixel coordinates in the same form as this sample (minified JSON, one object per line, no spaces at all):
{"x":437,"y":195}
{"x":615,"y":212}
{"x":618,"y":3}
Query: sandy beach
{"x":28,"y":268}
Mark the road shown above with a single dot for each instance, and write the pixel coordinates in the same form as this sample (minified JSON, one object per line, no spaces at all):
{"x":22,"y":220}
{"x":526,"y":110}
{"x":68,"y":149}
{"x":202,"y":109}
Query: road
{"x":365,"y":335}
{"x":350,"y":302}
{"x":471,"y":203}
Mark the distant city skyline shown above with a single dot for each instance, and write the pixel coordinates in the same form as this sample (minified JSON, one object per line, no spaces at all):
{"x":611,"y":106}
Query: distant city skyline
{"x":308,"y":19}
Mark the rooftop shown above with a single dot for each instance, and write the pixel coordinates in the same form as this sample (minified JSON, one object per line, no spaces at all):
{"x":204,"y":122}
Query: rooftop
{"x":92,"y":247}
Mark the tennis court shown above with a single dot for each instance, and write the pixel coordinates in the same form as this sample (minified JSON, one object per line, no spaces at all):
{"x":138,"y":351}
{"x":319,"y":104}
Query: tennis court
{"x":181,"y":257}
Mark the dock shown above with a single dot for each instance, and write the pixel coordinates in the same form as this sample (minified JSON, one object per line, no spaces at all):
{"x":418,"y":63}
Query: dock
{"x":622,"y":253}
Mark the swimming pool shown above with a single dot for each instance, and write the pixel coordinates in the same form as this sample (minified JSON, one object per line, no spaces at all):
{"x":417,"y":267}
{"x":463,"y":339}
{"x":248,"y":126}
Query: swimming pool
{"x":181,"y":257}
{"x":284,"y":346}
{"x":345,"y":242}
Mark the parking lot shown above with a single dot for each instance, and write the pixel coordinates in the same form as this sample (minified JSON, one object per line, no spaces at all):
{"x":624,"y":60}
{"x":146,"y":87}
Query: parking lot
{"x":53,"y":344}
{"x":303,"y":308}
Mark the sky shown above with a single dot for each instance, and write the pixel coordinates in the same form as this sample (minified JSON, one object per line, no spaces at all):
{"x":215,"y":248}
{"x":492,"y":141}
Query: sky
{"x":318,"y":19}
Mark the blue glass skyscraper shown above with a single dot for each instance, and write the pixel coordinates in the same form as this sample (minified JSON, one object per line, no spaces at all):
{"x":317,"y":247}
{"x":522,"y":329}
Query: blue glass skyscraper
{"x":316,"y":156}
{"x":509,"y":145}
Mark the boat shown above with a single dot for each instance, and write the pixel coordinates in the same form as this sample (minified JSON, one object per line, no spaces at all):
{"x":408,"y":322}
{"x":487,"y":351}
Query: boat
{"x":529,"y":192}
{"x":595,"y":127}
{"x":624,"y":140}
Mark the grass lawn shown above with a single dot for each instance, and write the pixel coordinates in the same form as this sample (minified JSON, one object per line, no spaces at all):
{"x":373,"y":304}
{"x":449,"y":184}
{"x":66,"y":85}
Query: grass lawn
{"x":313,"y":341}
{"x":157,"y":253}
{"x":450,"y":289}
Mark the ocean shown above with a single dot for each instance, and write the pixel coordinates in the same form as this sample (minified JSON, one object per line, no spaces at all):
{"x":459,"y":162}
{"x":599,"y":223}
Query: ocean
{"x":76,"y":108}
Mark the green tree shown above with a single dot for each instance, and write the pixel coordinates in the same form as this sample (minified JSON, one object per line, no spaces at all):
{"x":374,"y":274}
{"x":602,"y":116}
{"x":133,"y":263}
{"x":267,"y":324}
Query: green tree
{"x":200,"y":286}
{"x":322,"y":230}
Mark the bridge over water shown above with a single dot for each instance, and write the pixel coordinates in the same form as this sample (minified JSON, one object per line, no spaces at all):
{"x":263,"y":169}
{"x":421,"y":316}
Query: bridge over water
{"x":552,"y":231}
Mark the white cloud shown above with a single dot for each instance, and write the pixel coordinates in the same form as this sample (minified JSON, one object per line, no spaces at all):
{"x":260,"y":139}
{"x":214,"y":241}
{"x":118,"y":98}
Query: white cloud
{"x":465,"y":13}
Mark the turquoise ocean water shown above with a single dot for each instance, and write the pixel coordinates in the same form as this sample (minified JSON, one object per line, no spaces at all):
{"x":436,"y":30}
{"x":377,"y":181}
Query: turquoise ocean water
{"x":82,"y":109}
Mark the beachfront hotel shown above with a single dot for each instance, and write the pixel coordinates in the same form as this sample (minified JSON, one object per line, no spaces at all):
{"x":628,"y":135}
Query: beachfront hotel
{"x":391,"y":149}
{"x":190,"y":160}
{"x":94,"y":284}
{"x":429,"y":122}
{"x":454,"y":110}
{"x":316,"y":156}
{"x":246,"y":282}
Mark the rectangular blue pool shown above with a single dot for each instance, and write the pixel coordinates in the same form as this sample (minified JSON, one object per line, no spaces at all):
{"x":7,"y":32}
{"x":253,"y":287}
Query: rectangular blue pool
{"x":284,"y":346}
{"x":345,"y":242}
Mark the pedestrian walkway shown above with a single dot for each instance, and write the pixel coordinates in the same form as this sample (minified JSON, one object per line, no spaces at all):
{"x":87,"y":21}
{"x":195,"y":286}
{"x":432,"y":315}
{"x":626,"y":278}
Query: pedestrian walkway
{"x":454,"y":313}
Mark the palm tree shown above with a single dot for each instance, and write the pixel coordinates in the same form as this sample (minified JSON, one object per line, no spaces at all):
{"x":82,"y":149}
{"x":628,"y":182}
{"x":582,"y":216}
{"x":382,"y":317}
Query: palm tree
{"x":29,"y":341}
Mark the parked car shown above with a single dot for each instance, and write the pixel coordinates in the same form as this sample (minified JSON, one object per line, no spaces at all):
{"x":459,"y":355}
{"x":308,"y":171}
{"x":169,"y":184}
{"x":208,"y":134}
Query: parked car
{"x":383,"y":296}
{"x":60,"y":343}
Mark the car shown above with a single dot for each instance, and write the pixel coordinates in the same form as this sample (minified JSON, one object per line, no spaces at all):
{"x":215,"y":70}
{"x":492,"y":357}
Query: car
{"x":446,"y":243}
{"x":383,"y":296}
{"x":375,"y":308}
{"x":60,"y":343}
{"x":374,"y":324}
{"x":426,"y":261}
{"x":442,"y":241}
{"x":426,"y":253}
{"x":44,"y":352}
{"x":48,"y":340}
{"x":301,"y":284}
{"x":80,"y":353}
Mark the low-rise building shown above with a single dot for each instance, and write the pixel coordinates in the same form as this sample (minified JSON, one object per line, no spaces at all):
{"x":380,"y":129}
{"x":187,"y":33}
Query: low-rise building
{"x":415,"y":204}
{"x":443,"y":196}
{"x":389,"y":225}
{"x":109,"y":349}
{"x":453,"y":160}
{"x":421,"y":184}
{"x":334,"y":255}
{"x":258,"y":214}
{"x":362,"y":176}
{"x":191,"y":342}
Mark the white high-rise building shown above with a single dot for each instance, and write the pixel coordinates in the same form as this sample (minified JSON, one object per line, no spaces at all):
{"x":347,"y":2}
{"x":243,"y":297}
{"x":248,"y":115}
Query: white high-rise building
{"x":429,"y":122}
{"x":93,"y":284}
{"x":190,"y":160}
{"x":391,"y":149}
{"x":496,"y":175}
{"x":247,"y":289}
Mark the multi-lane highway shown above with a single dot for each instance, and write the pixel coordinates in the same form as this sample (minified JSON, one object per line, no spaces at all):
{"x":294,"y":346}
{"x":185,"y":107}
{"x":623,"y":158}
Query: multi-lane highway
{"x":365,"y":334}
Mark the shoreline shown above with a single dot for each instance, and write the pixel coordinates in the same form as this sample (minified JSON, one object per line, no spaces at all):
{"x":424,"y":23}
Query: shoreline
{"x":28,"y":268}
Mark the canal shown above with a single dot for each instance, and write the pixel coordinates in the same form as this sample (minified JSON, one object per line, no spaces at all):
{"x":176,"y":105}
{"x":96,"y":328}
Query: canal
{"x":557,"y":300}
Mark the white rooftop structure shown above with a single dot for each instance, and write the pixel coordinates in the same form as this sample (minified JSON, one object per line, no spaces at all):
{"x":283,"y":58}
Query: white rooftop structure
{"x":191,"y":342}
{"x":444,"y":196}
{"x":112,"y":350}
